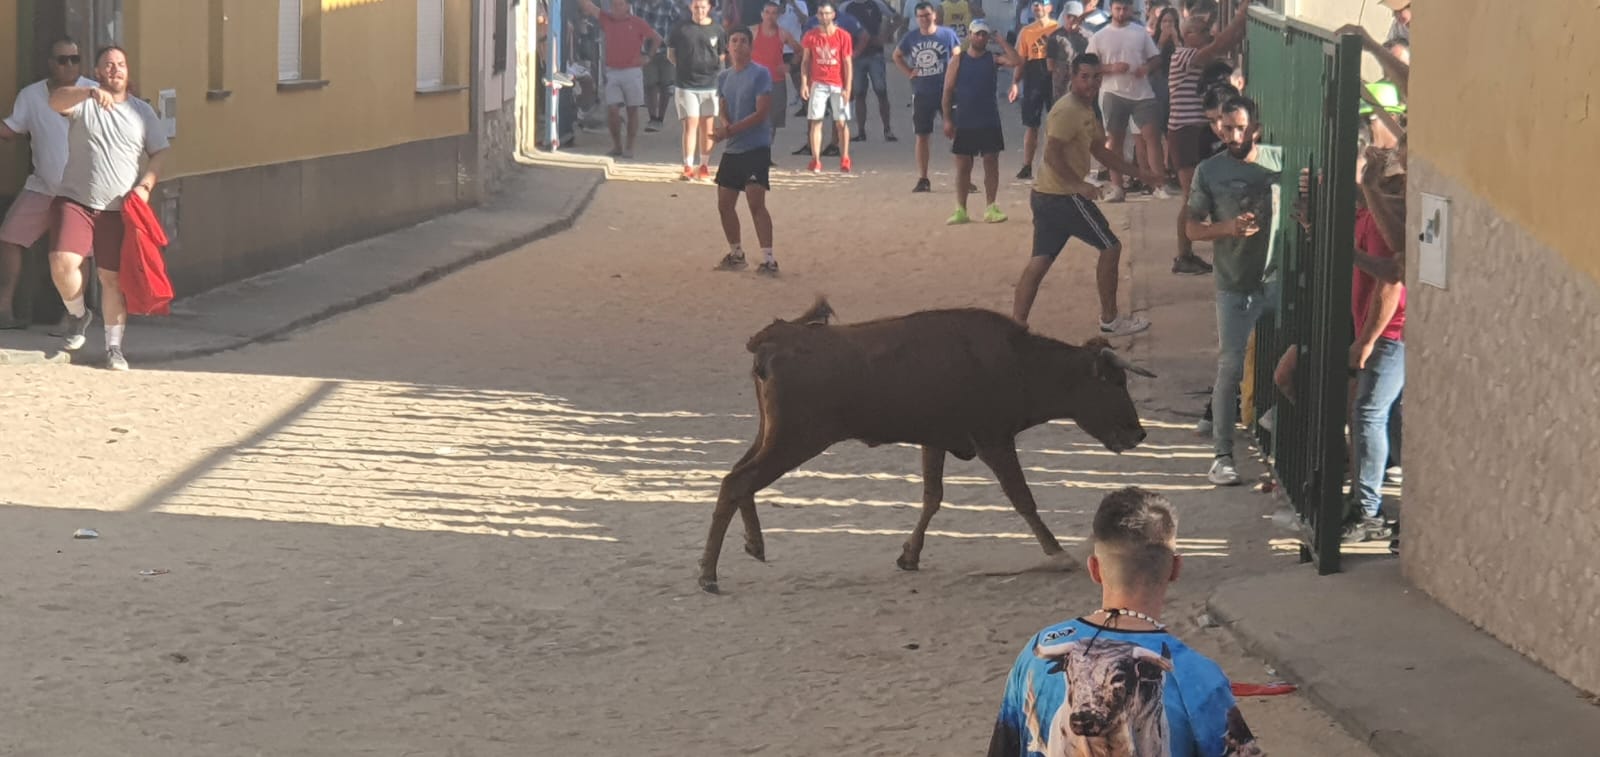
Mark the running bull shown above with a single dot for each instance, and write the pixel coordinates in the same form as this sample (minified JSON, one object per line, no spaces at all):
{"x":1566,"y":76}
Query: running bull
{"x":963,"y":382}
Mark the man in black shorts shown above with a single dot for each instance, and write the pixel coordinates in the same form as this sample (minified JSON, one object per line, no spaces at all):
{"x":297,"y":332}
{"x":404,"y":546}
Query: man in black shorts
{"x":744,"y":96}
{"x":1062,"y":204}
{"x":972,"y":117}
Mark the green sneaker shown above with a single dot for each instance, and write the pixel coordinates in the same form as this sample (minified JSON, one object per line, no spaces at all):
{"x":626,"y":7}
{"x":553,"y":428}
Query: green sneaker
{"x":993,"y":215}
{"x":959,"y":218}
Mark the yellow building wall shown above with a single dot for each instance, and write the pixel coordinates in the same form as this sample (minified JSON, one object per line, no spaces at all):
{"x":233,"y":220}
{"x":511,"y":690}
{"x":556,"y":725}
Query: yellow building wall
{"x":13,"y":157}
{"x":367,"y":52}
{"x":1527,"y":138}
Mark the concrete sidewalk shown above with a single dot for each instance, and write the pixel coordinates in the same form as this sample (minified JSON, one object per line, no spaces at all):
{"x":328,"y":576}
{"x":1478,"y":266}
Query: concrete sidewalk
{"x":1401,"y":672}
{"x":536,"y":202}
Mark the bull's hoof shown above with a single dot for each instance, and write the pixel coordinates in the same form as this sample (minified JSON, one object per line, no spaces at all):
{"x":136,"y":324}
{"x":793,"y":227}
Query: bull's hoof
{"x":907,"y":560}
{"x":709,"y":585}
{"x":756,"y":550}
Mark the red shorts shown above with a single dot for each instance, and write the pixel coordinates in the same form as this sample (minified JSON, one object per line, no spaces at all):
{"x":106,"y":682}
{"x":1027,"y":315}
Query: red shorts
{"x":87,"y":232}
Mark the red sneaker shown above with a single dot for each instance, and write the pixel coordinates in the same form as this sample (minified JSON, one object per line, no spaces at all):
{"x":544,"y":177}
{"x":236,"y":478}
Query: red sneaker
{"x":844,"y":165}
{"x":704,"y":174}
{"x":816,"y":166}
{"x":688,"y":174}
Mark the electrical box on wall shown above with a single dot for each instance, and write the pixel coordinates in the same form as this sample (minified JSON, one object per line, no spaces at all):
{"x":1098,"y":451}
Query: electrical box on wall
{"x":1433,"y":244}
{"x":167,"y":110}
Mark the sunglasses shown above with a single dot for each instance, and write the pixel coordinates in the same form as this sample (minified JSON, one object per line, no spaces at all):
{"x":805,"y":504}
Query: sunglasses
{"x":67,"y":60}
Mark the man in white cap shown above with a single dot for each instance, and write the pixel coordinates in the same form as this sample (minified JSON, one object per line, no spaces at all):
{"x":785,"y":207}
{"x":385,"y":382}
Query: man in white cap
{"x":1401,"y":28}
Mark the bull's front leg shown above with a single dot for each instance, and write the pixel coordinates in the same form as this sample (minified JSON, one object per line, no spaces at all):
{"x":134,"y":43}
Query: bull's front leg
{"x":932,"y":496}
{"x":1002,"y":459}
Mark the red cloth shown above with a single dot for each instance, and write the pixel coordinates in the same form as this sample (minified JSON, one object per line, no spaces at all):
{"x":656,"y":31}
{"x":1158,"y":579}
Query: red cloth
{"x":625,"y":36}
{"x":1365,"y":286}
{"x":143,"y":277}
{"x":828,"y":54}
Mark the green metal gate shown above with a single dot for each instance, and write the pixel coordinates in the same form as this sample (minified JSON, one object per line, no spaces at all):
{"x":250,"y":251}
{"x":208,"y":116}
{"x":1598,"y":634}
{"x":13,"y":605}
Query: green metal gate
{"x":1307,"y":81}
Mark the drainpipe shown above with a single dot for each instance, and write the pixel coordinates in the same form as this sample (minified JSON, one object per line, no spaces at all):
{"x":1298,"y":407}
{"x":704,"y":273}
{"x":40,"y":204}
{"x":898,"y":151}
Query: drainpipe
{"x":475,"y":98}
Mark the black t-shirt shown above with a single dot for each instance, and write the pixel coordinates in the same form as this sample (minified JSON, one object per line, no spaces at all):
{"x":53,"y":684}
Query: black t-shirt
{"x":698,"y":50}
{"x":870,"y":14}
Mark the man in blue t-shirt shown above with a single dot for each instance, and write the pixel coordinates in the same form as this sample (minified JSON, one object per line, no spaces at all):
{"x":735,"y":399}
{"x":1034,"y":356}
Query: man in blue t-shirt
{"x":924,"y":55}
{"x":1114,"y":681}
{"x":744,"y":97}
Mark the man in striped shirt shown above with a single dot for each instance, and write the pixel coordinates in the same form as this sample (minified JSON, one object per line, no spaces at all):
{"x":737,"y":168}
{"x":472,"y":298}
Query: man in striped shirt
{"x":1189,"y":134}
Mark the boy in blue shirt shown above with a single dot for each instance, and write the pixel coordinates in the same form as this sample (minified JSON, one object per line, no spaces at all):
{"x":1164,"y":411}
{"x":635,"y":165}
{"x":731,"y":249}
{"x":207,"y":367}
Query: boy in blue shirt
{"x":1114,"y":682}
{"x":744,"y":94}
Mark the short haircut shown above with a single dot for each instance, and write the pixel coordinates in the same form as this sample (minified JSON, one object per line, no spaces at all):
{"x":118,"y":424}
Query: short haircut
{"x":62,"y":41}
{"x":1136,"y":536}
{"x":1217,"y":95}
{"x":1086,"y":59}
{"x":740,"y":32}
{"x":100,"y":54}
{"x":771,"y":4}
{"x":1240,"y":102}
{"x":825,"y":4}
{"x":921,"y":7}
{"x":1122,"y":2}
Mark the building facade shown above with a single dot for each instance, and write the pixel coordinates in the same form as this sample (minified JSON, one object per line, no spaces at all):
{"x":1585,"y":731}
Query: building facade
{"x":1502,"y":513}
{"x":297,"y":126}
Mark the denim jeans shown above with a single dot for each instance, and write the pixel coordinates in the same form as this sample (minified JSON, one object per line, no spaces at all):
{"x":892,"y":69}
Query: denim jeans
{"x":1378,"y":388}
{"x":1237,"y":313}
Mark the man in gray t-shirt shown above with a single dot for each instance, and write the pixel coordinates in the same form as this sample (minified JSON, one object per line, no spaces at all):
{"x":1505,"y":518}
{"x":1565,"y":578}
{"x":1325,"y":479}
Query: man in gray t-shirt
{"x":110,"y":134}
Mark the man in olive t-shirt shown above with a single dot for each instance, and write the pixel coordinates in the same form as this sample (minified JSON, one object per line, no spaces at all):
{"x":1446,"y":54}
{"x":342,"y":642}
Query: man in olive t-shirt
{"x":1234,"y":203}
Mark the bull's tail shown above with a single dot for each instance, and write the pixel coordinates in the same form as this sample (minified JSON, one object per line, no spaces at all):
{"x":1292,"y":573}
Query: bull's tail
{"x":819,"y":314}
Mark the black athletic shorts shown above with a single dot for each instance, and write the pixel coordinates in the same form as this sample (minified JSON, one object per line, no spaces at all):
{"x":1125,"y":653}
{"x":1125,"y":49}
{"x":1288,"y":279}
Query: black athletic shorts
{"x":1059,"y":218}
{"x":737,"y":170}
{"x":1036,"y":100}
{"x":983,"y":141}
{"x":923,"y":109}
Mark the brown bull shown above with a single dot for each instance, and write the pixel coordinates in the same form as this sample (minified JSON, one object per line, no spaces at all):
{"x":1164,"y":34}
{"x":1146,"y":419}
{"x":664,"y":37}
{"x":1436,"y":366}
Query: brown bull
{"x":964,"y":382}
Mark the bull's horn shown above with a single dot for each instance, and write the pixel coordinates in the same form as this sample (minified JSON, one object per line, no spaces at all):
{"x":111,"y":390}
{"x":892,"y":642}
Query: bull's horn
{"x":1050,"y":651}
{"x":1122,"y":362}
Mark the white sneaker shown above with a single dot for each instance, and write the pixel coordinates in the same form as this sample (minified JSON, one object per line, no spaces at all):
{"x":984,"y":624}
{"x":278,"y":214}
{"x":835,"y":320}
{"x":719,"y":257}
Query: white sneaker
{"x":1161,"y":193}
{"x":1124,"y":325}
{"x":1223,"y":473}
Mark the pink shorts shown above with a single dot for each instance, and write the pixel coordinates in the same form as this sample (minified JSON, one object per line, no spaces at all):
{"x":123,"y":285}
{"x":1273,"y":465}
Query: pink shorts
{"x":87,"y":232}
{"x":27,"y":220}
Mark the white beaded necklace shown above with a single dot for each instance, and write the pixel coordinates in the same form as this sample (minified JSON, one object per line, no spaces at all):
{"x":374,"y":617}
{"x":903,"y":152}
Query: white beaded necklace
{"x":1112,"y":613}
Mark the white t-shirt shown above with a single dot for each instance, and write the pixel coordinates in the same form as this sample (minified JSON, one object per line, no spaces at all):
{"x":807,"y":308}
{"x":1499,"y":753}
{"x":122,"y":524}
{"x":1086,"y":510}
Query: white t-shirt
{"x":793,"y":24}
{"x":33,"y":115}
{"x":1130,"y":44}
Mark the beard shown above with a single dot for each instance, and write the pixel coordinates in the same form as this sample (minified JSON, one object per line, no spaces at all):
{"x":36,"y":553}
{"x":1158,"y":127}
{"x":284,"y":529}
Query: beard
{"x":1241,"y":150}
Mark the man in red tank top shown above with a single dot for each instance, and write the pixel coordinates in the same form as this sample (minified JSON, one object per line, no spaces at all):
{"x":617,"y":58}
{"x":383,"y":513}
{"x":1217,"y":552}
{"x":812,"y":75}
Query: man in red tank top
{"x":767,"y":44}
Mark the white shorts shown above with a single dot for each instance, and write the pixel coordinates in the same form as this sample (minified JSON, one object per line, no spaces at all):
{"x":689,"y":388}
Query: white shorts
{"x":625,"y":86}
{"x":823,"y":95}
{"x":696,"y":103}
{"x":27,"y":220}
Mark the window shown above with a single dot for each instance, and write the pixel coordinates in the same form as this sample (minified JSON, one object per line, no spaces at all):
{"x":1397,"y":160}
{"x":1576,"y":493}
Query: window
{"x":430,"y":44}
{"x":216,"y":32}
{"x":289,"y":40}
{"x":502,"y":27}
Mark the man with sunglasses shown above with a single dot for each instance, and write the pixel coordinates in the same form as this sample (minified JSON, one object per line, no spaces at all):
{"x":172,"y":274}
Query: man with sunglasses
{"x":29,"y":216}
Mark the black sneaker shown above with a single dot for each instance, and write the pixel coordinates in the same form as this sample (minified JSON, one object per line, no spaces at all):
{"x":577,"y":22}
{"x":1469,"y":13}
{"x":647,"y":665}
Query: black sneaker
{"x":889,"y":136}
{"x":77,"y":329}
{"x":768,"y":268}
{"x":1190,"y":265}
{"x":923,"y":185}
{"x":1025,"y":174}
{"x":802,"y":150}
{"x":830,"y":151}
{"x":862,"y":137}
{"x":733,"y":261}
